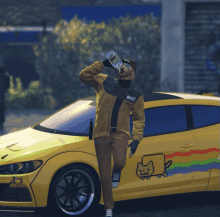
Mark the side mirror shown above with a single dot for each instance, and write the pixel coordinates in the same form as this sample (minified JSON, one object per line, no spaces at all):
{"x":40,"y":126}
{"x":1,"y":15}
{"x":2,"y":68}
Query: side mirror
{"x":90,"y":129}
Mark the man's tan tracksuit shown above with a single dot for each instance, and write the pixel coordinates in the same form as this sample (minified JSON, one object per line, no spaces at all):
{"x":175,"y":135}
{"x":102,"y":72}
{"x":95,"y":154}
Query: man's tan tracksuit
{"x":114,"y":105}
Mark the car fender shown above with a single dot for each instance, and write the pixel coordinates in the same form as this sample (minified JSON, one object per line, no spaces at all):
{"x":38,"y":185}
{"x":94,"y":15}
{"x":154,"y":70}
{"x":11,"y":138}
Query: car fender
{"x":40,"y":185}
{"x":214,"y":179}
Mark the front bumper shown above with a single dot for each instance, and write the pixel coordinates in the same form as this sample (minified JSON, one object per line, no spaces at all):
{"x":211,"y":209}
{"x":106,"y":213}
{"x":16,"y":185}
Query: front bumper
{"x":15,"y":191}
{"x":16,"y":209}
{"x":14,"y":194}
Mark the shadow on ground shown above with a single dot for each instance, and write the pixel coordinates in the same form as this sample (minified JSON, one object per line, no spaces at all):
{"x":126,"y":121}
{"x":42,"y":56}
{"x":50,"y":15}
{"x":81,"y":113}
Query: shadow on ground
{"x":200,"y":204}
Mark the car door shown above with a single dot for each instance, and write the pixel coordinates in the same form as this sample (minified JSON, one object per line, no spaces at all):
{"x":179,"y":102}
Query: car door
{"x":206,"y":119}
{"x":165,"y":155}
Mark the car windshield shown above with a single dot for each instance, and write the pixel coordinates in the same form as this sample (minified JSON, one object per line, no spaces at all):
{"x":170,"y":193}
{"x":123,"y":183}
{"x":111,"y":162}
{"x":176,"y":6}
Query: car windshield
{"x":75,"y":118}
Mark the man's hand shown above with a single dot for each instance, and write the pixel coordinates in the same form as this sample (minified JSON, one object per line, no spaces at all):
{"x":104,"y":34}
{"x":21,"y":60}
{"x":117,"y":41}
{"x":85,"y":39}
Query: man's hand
{"x":106,"y":63}
{"x":133,"y":145}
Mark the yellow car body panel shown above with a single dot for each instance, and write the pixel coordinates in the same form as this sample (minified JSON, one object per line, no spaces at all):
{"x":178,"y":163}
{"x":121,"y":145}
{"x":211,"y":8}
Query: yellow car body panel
{"x":34,"y":150}
{"x":206,"y":156}
{"x":214,"y":181}
{"x":164,"y":164}
{"x":41,"y":183}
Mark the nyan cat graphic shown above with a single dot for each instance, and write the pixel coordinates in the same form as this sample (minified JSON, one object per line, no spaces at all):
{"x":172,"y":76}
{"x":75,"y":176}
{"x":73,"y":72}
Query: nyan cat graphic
{"x":152,"y":165}
{"x":145,"y":171}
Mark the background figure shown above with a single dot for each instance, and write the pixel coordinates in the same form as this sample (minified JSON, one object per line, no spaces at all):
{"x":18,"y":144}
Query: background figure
{"x":4,"y":85}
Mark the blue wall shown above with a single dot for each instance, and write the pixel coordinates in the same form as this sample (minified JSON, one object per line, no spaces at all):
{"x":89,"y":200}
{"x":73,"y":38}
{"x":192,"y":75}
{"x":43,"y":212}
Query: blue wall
{"x":99,"y":14}
{"x":103,"y":13}
{"x":23,"y":36}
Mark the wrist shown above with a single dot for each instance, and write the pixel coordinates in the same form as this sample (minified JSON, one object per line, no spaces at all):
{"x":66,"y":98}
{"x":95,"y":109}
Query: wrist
{"x":106,"y":63}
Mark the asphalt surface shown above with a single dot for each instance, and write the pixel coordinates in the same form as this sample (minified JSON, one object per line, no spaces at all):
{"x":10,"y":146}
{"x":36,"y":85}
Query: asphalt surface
{"x":201,"y":204}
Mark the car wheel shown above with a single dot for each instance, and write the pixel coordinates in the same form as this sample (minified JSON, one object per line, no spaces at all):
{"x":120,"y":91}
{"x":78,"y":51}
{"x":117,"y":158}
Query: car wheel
{"x":74,"y":191}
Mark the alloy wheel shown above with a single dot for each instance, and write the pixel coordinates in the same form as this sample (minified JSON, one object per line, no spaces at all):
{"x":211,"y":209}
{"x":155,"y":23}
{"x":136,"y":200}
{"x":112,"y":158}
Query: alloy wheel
{"x":75,"y":192}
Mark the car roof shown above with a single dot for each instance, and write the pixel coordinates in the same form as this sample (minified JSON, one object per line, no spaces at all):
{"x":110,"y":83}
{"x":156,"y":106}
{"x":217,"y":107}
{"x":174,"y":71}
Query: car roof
{"x":170,"y":95}
{"x":154,"y":96}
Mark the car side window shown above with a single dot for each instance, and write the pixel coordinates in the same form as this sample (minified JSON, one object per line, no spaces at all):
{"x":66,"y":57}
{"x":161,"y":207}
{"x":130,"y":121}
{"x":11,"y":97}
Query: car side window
{"x":161,"y":120}
{"x":205,"y":115}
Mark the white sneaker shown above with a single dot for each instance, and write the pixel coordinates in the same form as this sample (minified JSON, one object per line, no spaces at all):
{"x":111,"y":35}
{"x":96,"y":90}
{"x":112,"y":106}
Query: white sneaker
{"x":109,"y":213}
{"x":116,"y":178}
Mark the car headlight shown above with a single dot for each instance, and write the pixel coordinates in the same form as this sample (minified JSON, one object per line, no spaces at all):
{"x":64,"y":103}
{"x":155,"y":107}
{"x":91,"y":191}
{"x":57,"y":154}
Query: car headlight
{"x":21,"y":168}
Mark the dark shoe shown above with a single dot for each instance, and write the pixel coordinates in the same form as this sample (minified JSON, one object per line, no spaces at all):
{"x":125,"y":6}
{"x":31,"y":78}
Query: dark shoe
{"x":109,"y":213}
{"x":116,"y":174}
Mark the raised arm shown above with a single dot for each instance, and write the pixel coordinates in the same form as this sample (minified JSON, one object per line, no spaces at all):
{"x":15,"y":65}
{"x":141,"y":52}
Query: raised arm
{"x":91,"y":74}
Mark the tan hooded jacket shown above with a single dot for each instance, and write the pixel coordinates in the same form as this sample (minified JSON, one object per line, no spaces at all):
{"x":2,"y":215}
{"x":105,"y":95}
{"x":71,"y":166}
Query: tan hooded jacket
{"x":106,"y":95}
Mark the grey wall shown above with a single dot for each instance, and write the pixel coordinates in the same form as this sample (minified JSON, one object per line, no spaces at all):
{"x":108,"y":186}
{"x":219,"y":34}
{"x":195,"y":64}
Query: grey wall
{"x":172,"y":46}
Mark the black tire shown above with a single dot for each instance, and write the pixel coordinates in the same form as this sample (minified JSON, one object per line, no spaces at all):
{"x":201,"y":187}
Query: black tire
{"x":60,"y":198}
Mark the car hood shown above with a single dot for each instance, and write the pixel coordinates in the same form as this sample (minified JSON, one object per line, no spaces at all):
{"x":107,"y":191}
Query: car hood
{"x":31,"y":140}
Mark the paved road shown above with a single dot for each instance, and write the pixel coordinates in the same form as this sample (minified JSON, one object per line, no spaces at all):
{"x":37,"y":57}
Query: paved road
{"x":202,"y":204}
{"x":184,"y":205}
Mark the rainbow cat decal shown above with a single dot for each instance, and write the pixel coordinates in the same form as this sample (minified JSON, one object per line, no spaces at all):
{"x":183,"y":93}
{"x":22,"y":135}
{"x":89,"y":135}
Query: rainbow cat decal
{"x":152,"y":165}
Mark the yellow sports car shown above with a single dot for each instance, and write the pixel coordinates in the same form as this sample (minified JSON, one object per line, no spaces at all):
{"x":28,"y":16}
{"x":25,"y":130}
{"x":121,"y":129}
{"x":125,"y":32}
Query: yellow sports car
{"x":53,"y":163}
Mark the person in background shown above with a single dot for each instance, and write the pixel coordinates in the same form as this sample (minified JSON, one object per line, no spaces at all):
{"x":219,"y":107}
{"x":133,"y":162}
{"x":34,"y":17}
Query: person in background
{"x":4,"y":85}
{"x":115,"y":100}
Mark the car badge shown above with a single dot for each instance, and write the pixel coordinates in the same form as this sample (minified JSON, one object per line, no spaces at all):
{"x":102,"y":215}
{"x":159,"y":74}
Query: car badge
{"x":14,"y":180}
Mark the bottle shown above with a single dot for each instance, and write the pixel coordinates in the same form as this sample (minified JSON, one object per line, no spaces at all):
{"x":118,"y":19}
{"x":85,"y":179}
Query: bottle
{"x":115,"y":60}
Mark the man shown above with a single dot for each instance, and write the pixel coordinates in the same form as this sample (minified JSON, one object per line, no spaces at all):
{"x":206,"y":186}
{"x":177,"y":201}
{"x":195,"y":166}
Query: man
{"x":115,"y":100}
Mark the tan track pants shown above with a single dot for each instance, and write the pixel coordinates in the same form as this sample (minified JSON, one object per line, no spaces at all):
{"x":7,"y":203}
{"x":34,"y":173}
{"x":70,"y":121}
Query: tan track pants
{"x":106,"y":145}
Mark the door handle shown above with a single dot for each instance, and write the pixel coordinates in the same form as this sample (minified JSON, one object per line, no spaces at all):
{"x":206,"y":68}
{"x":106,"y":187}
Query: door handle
{"x":187,"y":145}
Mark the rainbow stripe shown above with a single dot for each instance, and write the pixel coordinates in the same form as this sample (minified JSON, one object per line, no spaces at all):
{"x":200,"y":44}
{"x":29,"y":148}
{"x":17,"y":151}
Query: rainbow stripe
{"x":193,"y":166}
{"x":177,"y":154}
